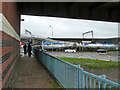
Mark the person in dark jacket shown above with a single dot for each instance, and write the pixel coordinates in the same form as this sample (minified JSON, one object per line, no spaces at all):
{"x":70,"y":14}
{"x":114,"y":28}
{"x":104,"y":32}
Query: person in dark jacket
{"x":25,"y":49}
{"x":29,"y":50}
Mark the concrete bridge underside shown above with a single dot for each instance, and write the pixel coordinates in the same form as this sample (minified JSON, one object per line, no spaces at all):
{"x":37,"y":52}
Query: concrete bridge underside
{"x":10,"y":24}
{"x":102,"y":11}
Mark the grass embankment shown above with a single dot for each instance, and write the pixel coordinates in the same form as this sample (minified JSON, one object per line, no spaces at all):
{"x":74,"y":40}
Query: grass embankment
{"x":91,"y":63}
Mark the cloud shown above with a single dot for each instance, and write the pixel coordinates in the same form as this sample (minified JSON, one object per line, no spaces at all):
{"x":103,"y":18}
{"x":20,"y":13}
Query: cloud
{"x":63,"y":27}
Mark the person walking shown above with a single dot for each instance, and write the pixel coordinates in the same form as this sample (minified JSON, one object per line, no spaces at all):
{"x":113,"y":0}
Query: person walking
{"x":29,"y":50}
{"x":25,"y":49}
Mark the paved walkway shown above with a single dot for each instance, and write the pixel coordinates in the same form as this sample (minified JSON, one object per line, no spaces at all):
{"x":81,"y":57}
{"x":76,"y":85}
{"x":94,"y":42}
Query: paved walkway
{"x":29,"y":73}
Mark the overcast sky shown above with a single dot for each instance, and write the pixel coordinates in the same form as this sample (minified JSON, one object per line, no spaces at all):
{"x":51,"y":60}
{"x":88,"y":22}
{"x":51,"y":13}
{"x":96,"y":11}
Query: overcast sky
{"x":64,"y":27}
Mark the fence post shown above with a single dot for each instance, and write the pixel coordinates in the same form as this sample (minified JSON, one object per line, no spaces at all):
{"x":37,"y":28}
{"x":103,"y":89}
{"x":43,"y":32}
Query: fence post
{"x":78,"y":77}
{"x":83,"y":81}
{"x":103,"y":82}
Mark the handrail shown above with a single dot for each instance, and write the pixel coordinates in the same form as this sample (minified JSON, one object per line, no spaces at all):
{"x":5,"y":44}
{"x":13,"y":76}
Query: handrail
{"x":72,"y":76}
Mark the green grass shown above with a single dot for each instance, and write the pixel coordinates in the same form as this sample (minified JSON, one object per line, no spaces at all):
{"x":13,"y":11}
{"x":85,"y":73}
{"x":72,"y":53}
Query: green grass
{"x":91,"y":63}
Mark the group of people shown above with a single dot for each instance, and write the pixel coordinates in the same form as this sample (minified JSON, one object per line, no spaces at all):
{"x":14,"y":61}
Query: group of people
{"x":27,"y":49}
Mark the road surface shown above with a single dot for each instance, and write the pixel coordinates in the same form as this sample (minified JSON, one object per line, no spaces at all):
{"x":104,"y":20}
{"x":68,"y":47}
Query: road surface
{"x":92,"y":55}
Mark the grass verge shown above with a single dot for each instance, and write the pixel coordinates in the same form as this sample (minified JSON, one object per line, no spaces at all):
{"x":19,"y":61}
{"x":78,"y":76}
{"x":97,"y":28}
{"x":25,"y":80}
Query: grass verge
{"x":91,"y":63}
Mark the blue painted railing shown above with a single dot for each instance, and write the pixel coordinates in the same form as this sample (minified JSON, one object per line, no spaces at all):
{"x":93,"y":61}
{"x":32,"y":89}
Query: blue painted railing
{"x":73,"y":76}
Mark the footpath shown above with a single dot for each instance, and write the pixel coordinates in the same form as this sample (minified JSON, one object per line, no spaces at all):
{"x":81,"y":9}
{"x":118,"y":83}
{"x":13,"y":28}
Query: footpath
{"x":30,"y":73}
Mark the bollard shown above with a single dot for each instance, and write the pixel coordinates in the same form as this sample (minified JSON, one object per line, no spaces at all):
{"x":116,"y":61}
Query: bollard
{"x":89,"y":57}
{"x":96,"y":58}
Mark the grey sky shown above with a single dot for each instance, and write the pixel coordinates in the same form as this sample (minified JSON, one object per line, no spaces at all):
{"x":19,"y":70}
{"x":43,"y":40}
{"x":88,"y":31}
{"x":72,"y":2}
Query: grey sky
{"x":64,"y":27}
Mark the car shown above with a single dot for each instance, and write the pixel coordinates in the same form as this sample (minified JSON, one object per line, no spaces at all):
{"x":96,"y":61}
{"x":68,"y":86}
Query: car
{"x":102,"y":51}
{"x":70,"y":50}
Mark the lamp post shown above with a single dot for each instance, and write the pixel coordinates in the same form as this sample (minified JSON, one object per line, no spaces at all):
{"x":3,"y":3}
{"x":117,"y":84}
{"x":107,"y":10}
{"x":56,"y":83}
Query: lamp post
{"x":52,"y":30}
{"x":87,"y":33}
{"x":27,"y":31}
{"x":52,"y":36}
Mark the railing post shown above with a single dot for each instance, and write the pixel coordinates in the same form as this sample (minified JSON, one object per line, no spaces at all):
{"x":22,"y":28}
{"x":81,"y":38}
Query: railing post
{"x":103,"y":83}
{"x":83,"y":81}
{"x":78,"y":77}
{"x":82,"y":78}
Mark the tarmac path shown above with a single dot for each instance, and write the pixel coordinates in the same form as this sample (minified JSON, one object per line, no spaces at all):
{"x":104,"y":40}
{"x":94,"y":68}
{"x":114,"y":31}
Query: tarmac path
{"x":30,"y":73}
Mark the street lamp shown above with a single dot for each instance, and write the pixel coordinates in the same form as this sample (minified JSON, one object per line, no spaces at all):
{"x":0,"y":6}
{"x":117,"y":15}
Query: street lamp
{"x":52,"y":36}
{"x":27,"y":31}
{"x":87,"y":33}
{"x":52,"y":30}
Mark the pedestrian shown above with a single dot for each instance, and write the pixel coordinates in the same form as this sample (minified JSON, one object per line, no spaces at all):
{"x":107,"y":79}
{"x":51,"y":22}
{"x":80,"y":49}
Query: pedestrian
{"x":25,"y":49}
{"x":29,"y":50}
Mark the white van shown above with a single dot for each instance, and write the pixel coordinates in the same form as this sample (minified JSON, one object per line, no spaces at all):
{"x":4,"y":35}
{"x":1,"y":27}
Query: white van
{"x":70,"y":50}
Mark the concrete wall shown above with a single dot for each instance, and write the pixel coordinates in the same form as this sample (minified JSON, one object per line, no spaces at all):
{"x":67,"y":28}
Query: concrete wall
{"x":9,"y":39}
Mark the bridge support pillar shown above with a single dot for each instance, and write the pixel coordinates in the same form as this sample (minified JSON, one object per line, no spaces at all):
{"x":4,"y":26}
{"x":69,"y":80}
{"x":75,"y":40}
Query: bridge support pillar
{"x":42,"y":44}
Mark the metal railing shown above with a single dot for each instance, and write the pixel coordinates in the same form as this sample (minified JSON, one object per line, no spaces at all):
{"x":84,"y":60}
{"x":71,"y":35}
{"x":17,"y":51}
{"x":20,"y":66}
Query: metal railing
{"x":73,"y":76}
